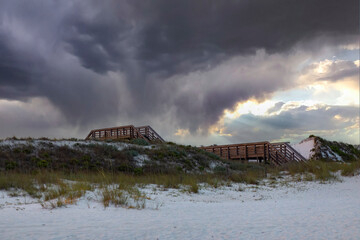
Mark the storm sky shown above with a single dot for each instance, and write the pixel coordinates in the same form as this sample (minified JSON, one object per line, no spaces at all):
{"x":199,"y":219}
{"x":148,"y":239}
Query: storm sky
{"x":199,"y":72}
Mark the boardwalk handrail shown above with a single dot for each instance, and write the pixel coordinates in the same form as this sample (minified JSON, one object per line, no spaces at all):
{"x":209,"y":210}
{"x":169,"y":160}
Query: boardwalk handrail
{"x":125,"y":132}
{"x":302,"y":158}
{"x":150,"y":133}
{"x":128,"y":131}
{"x":275,"y":153}
{"x":290,"y":152}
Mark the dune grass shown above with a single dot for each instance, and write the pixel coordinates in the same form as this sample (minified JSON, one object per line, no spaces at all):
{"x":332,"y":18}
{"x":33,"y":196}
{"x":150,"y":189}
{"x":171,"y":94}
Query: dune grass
{"x":321,"y":169}
{"x":41,"y":181}
{"x":351,"y":169}
{"x":56,"y":189}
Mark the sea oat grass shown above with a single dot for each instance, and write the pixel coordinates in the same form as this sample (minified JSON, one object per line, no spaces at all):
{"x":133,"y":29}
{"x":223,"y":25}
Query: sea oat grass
{"x":351,"y":169}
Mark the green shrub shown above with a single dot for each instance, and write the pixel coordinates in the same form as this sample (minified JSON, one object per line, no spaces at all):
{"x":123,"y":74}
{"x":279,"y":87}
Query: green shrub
{"x":10,"y":165}
{"x":17,"y":150}
{"x":220,"y":170}
{"x":139,"y":141}
{"x":42,"y":163}
{"x":138,"y":171}
{"x":132,"y":153}
{"x":125,"y":168}
{"x":86,"y":158}
{"x":28,"y":150}
{"x":188,"y":163}
{"x":211,"y":155}
{"x":74,"y":161}
{"x":239,"y":166}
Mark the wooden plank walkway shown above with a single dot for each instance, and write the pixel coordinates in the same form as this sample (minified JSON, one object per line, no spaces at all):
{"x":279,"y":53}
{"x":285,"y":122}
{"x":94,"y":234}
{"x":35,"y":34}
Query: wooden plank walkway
{"x":273,"y":153}
{"x":125,"y":132}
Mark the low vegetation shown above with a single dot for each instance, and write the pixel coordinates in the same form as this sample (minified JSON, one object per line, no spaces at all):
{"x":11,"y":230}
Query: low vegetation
{"x":331,"y":150}
{"x":58,"y":175}
{"x":136,"y":158}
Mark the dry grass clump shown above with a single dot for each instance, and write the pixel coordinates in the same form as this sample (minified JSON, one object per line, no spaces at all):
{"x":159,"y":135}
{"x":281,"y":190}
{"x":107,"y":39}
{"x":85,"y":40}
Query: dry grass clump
{"x":351,"y":169}
{"x":118,"y":196}
{"x":322,"y":171}
{"x":18,"y":181}
{"x":113,"y":196}
{"x":248,"y":177}
{"x":45,"y":186}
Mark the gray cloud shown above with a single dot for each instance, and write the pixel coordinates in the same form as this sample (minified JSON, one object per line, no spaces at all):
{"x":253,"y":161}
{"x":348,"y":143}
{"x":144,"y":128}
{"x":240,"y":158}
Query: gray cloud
{"x":340,"y":70}
{"x":297,"y":123}
{"x":161,"y":35}
{"x":276,"y":107}
{"x":115,"y":62}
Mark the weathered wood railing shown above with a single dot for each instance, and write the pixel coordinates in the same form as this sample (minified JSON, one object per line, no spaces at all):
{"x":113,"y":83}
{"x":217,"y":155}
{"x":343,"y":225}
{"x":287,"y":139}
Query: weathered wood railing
{"x":274,"y":153}
{"x":150,"y":133}
{"x":287,"y":152}
{"x":125,"y":132}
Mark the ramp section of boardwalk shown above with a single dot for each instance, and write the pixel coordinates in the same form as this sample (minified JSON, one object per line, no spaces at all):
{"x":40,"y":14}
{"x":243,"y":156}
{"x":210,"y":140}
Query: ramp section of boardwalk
{"x":126,"y":132}
{"x":273,"y":153}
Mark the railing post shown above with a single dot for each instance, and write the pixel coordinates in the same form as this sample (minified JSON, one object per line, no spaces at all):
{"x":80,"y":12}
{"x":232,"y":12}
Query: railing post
{"x":264,"y":153}
{"x":246,"y":153}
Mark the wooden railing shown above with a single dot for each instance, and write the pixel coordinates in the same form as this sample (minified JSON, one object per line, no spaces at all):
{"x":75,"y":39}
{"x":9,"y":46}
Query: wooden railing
{"x":150,"y":133}
{"x":125,"y":132}
{"x":287,"y":152}
{"x":274,"y":153}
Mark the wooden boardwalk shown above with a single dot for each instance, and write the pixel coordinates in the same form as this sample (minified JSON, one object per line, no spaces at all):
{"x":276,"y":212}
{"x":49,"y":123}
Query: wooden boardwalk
{"x":273,"y":153}
{"x":125,"y":132}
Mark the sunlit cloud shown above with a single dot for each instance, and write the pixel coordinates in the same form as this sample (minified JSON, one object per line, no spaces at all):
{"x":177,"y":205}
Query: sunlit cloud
{"x":293,"y":122}
{"x":352,"y":46}
{"x":182,"y":132}
{"x":250,"y":106}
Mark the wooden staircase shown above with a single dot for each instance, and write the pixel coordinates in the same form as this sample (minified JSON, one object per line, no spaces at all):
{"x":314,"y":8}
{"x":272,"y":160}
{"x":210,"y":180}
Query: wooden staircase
{"x":281,"y":153}
{"x":273,"y":153}
{"x":125,"y":132}
{"x":149,"y":133}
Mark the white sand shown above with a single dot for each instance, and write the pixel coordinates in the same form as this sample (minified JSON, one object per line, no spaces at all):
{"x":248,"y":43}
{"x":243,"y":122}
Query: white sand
{"x":302,"y":211}
{"x":305,"y":147}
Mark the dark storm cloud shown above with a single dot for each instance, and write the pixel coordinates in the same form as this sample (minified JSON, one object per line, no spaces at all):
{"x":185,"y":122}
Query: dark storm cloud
{"x":16,"y":73}
{"x":167,"y":33}
{"x":127,"y":60}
